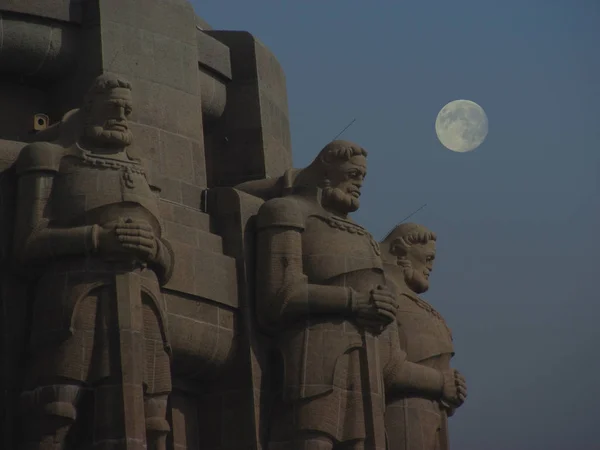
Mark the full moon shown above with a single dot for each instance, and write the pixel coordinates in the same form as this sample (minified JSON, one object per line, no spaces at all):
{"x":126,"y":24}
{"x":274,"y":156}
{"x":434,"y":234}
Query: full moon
{"x":461,"y":126}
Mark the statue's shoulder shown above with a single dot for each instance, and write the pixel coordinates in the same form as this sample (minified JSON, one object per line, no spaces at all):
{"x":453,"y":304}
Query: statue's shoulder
{"x":39,"y":157}
{"x":288,"y":211}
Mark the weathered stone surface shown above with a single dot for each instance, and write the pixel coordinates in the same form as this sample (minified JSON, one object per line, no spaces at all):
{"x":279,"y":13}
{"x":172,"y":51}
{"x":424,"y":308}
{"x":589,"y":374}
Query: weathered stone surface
{"x":408,"y":253}
{"x":214,"y":55}
{"x":255,"y":127}
{"x":64,"y":10}
{"x":33,"y":47}
{"x":95,"y":317}
{"x":167,"y":280}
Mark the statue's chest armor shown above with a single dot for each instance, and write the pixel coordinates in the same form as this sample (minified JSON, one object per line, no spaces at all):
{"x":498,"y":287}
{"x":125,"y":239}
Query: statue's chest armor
{"x":80,"y":188}
{"x":423,"y":333}
{"x":332,"y":247}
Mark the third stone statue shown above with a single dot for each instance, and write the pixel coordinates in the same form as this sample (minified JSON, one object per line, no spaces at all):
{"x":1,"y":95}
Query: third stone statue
{"x":415,"y":421}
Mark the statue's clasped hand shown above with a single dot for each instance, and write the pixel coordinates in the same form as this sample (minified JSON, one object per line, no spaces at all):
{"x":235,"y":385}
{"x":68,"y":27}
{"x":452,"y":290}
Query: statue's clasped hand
{"x":375,"y":310}
{"x":130,"y":237}
{"x":454,"y":391}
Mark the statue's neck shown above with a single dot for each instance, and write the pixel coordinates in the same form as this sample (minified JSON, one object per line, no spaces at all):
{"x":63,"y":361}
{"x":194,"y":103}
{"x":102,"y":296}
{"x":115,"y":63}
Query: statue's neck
{"x":89,"y":146}
{"x":336,"y":213}
{"x":119,"y":153}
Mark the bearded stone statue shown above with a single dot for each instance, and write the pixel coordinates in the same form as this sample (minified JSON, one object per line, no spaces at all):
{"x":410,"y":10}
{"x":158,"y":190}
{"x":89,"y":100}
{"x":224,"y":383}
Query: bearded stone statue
{"x":415,"y":421}
{"x":87,"y":229}
{"x":322,"y":296}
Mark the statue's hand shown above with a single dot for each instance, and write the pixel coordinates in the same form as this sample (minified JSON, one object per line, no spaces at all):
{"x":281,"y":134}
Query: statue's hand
{"x":376,"y":309}
{"x":138,"y":238}
{"x":131,"y":237}
{"x":454,"y":392}
{"x":107,"y":241}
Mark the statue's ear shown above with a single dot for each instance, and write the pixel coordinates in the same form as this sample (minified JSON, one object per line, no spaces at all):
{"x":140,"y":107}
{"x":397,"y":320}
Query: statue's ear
{"x":399,"y":247}
{"x":325,"y":158}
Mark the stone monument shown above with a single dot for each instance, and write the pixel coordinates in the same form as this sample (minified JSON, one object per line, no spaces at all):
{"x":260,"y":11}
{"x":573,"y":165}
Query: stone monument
{"x":167,"y":279}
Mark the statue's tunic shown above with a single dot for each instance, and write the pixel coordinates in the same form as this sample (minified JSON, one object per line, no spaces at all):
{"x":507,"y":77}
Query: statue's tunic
{"x":324,"y":367}
{"x":74,"y":330}
{"x":414,"y":423}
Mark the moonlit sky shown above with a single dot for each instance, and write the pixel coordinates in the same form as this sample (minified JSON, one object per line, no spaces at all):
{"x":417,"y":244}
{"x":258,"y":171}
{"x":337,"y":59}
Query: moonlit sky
{"x":517,"y":219}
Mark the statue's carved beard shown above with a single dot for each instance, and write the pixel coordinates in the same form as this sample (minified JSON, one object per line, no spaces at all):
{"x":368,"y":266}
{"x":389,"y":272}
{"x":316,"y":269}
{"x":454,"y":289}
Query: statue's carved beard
{"x":416,"y":281}
{"x":339,"y":200}
{"x":110,"y":138}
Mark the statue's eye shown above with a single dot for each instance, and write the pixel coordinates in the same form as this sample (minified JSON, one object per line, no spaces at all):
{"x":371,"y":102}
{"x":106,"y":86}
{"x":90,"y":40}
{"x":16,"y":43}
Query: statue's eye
{"x":127,"y":111}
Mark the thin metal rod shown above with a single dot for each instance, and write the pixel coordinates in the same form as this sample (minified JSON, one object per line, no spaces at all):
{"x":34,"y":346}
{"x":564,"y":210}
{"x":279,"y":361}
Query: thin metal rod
{"x":412,"y":214}
{"x":345,"y":128}
{"x":404,"y":220}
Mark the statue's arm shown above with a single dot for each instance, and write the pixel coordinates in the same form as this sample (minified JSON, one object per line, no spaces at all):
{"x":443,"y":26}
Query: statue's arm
{"x":164,"y":261}
{"x":406,"y":377}
{"x":265,"y":189}
{"x":35,"y":239}
{"x":283,"y":292}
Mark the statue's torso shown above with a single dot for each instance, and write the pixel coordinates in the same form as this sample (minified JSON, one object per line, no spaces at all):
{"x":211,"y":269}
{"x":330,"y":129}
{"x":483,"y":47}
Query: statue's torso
{"x":90,"y":190}
{"x":101,"y":190}
{"x":332,"y":247}
{"x":323,"y":353}
{"x":427,"y":340}
{"x":424,"y":334}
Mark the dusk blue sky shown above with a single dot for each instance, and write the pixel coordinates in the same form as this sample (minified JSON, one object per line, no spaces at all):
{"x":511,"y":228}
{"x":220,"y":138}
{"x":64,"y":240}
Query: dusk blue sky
{"x":517,"y":219}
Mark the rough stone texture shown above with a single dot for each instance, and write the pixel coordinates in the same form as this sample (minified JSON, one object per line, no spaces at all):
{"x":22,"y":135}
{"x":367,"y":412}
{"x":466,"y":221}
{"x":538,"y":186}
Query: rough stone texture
{"x":87,"y":231}
{"x":241,"y":254}
{"x":48,"y":50}
{"x":64,"y":10}
{"x":323,"y":297}
{"x":180,"y":77}
{"x":413,"y":422}
{"x":18,"y":124}
{"x":254,"y":130}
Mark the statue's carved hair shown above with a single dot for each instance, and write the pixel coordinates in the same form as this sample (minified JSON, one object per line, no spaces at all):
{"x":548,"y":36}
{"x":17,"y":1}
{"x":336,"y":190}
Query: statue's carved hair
{"x":335,"y":153}
{"x":405,"y":235}
{"x":340,"y":151}
{"x":102,"y":84}
{"x":108,"y":81}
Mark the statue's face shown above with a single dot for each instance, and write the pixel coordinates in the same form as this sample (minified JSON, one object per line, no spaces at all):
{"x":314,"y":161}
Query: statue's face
{"x":346,"y":182}
{"x":107,"y":121}
{"x":421,"y":257}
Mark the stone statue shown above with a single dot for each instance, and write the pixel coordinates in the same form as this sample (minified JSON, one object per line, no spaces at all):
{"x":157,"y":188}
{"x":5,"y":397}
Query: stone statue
{"x":416,"y":422}
{"x":321,"y":294}
{"x":87,"y":226}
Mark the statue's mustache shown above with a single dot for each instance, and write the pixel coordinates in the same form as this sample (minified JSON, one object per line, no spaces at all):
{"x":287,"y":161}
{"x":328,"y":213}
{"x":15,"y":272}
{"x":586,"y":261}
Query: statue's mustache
{"x":116,"y":122}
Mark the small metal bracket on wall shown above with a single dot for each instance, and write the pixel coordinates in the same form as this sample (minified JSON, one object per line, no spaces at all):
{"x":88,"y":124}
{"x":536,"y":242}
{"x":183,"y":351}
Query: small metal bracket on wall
{"x":40,"y":122}
{"x":204,"y":201}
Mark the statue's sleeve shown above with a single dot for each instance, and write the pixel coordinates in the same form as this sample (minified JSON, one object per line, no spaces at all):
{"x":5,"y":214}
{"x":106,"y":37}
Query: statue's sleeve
{"x":406,"y":377}
{"x":284,"y":294}
{"x":266,"y":188}
{"x":39,"y":157}
{"x":165,"y":261}
{"x":35,"y":239}
{"x":269,"y":188}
